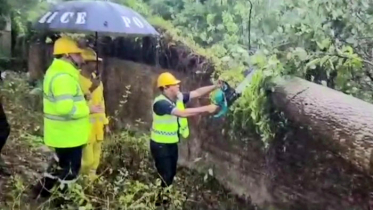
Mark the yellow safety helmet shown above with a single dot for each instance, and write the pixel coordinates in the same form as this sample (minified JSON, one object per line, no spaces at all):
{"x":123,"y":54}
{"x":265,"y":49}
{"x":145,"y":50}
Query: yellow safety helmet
{"x":90,"y":55}
{"x":65,"y":45}
{"x":166,"y":79}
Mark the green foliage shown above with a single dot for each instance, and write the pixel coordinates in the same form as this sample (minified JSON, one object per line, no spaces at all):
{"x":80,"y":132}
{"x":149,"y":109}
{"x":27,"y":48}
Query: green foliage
{"x":252,"y":109}
{"x":16,"y":97}
{"x":326,"y":42}
{"x":24,"y":11}
{"x":4,"y":13}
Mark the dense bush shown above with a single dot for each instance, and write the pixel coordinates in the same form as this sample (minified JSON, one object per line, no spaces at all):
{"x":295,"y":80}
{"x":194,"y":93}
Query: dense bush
{"x":326,"y":42}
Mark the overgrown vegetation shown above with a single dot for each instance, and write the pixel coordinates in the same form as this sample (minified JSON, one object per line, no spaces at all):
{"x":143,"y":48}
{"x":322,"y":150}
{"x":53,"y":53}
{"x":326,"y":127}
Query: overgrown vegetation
{"x":127,"y":177}
{"x":326,"y":42}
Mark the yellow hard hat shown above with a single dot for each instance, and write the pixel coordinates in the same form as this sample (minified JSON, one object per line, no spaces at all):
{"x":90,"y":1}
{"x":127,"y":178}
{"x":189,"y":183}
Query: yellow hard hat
{"x":65,"y":45}
{"x":90,"y":55}
{"x":167,"y":78}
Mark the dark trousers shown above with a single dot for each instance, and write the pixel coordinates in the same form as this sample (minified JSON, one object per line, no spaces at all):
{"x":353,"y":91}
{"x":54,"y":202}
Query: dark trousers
{"x":165,"y":157}
{"x":69,"y":162}
{"x":4,"y":127}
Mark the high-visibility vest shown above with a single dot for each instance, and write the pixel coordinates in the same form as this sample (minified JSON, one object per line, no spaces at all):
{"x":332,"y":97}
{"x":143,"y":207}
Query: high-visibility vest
{"x":66,"y":113}
{"x":168,"y":128}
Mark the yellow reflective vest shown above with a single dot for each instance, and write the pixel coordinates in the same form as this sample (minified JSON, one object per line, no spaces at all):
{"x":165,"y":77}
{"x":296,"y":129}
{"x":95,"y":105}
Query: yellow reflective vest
{"x":167,"y":129}
{"x":98,"y":120}
{"x":66,"y":113}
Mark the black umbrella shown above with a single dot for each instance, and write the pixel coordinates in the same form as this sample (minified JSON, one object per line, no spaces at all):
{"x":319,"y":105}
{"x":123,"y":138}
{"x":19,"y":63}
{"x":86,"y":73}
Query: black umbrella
{"x":103,"y":17}
{"x":98,"y":17}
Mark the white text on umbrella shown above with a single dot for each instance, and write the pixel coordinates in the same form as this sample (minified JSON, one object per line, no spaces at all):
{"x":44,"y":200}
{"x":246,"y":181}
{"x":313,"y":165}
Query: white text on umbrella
{"x":127,"y":22}
{"x":65,"y":17}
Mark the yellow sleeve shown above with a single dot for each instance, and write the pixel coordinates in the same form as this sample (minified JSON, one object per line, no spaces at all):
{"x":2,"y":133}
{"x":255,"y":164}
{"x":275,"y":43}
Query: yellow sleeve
{"x":85,"y":84}
{"x":106,"y":119}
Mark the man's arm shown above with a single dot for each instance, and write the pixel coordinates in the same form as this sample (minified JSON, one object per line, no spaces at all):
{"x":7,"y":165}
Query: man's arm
{"x":164,"y":107}
{"x":202,"y":91}
{"x":194,"y":111}
{"x":95,"y":83}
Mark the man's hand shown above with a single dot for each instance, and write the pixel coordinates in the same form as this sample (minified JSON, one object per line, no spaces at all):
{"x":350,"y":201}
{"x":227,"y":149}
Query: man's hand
{"x":195,"y":111}
{"x":212,"y":108}
{"x":95,"y":83}
{"x":204,"y":90}
{"x":96,"y":109}
{"x":87,"y":97}
{"x":220,"y":83}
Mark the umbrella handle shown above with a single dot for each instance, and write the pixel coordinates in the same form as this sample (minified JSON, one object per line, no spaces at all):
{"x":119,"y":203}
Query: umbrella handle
{"x":98,"y":73}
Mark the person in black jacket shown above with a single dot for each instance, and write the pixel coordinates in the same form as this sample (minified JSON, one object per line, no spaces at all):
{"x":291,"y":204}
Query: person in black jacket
{"x":4,"y":133}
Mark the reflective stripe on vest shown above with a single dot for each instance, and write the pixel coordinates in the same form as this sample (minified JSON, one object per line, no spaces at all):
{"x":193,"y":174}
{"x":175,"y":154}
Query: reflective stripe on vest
{"x":54,"y":99}
{"x":167,"y":128}
{"x":165,"y":121}
{"x":67,"y":117}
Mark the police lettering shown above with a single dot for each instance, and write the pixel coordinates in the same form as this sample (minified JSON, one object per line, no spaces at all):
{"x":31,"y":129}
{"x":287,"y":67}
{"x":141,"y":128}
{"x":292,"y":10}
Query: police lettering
{"x":66,"y":17}
{"x":127,"y":22}
{"x":81,"y":19}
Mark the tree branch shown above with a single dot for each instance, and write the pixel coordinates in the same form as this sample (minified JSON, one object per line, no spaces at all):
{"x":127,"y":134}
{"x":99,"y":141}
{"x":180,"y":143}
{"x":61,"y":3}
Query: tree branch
{"x":251,"y":7}
{"x":342,"y":56}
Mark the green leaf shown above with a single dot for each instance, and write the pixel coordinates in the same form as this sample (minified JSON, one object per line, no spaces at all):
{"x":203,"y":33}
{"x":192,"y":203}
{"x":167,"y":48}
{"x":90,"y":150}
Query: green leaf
{"x":312,"y":64}
{"x":324,"y":44}
{"x":302,"y":54}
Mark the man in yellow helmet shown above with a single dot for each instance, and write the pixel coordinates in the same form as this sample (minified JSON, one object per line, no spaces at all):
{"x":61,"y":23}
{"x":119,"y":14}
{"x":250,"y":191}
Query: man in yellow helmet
{"x":66,"y":115}
{"x":93,"y":87}
{"x":170,"y":123}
